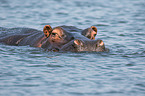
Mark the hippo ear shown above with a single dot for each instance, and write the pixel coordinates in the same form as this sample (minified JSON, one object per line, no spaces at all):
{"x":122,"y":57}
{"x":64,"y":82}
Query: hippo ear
{"x":47,"y":30}
{"x":94,"y":29}
{"x":93,"y":32}
{"x":101,"y":43}
{"x":90,"y":32}
{"x":78,"y":42}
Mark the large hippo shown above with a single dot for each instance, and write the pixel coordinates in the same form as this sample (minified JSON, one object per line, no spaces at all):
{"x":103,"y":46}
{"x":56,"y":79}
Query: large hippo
{"x":62,"y":38}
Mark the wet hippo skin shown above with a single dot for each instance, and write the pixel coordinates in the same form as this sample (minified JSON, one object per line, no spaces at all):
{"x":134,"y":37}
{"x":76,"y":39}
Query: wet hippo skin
{"x":61,"y":38}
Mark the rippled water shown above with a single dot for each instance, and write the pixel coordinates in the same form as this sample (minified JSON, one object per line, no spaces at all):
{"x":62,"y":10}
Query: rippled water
{"x":28,"y":71}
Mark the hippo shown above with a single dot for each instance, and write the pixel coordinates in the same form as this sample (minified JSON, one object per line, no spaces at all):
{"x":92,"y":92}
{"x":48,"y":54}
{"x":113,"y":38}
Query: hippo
{"x":61,"y":38}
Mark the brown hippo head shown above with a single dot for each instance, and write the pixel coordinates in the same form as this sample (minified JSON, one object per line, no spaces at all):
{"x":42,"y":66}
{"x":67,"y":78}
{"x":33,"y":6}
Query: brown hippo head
{"x":90,"y":32}
{"x":87,"y":45}
{"x":59,"y":39}
{"x":56,"y":37}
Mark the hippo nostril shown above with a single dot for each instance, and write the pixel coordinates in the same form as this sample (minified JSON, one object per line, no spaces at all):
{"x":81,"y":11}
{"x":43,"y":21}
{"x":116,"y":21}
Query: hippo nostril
{"x":89,"y":36}
{"x":78,"y":42}
{"x":101,"y":43}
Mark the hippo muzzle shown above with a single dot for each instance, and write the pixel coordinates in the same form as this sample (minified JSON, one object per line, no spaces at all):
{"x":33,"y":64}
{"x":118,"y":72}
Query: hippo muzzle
{"x":80,"y":45}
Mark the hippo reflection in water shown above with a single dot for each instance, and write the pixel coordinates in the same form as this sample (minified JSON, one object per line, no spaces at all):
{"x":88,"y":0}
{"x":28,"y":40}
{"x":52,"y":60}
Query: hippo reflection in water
{"x":62,"y":38}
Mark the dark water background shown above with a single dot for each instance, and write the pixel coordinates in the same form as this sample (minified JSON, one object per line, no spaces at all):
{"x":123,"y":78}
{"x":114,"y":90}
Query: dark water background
{"x":28,"y":71}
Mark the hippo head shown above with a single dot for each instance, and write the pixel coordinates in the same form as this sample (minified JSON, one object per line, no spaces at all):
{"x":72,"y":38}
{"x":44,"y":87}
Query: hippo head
{"x":59,"y":39}
{"x":55,"y":37}
{"x":90,"y":32}
{"x":80,"y":45}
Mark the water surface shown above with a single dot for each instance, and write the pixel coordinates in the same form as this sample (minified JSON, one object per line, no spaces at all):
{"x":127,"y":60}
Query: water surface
{"x":28,"y":71}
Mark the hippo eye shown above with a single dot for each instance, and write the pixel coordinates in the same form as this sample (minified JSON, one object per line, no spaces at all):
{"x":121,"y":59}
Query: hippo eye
{"x":89,"y":36}
{"x":63,"y":35}
{"x":53,"y":34}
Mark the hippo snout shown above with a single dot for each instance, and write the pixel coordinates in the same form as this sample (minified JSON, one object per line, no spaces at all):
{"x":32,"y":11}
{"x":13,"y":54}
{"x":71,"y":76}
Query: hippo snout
{"x":81,"y":45}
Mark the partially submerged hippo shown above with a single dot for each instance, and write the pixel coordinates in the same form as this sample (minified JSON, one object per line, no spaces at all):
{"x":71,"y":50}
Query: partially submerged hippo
{"x":62,"y":38}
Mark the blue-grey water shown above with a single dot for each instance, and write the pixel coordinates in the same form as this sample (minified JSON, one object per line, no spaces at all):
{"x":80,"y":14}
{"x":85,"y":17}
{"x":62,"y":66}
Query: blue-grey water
{"x":29,"y":71}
